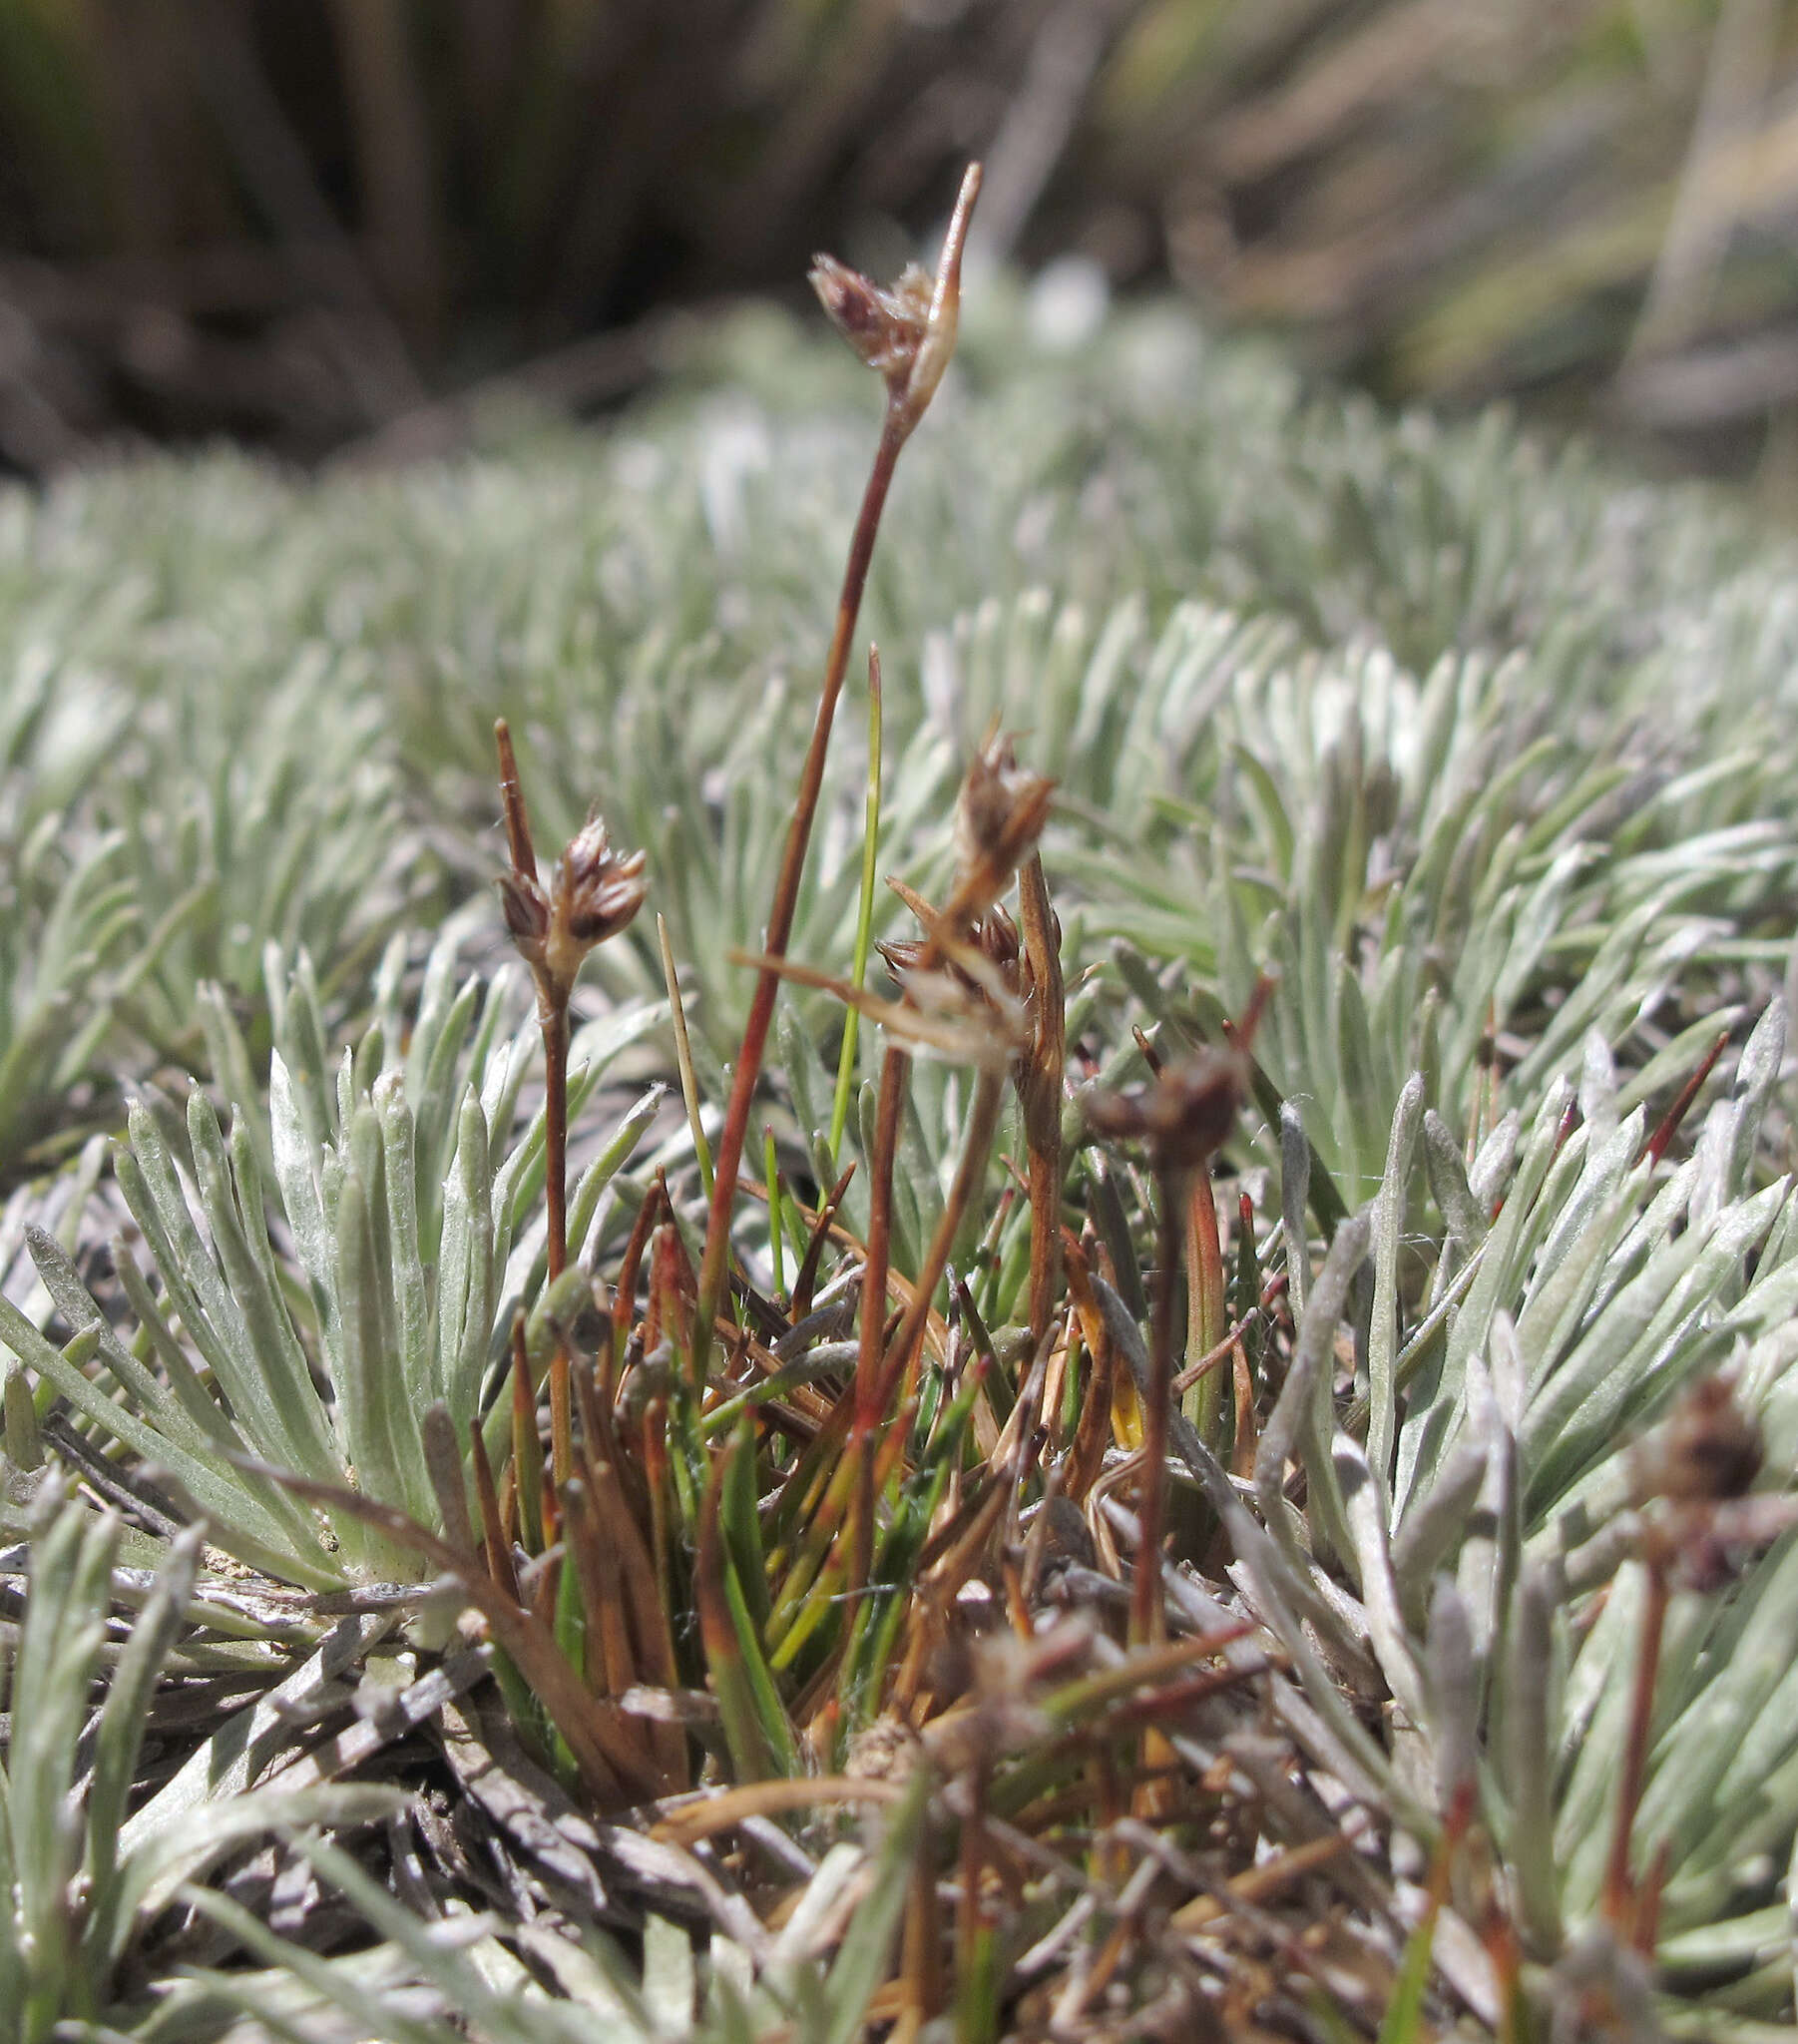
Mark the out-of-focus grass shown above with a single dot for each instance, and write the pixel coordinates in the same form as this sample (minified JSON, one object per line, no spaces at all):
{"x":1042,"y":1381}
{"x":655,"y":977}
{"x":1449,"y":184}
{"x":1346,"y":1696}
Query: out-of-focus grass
{"x":303,"y":223}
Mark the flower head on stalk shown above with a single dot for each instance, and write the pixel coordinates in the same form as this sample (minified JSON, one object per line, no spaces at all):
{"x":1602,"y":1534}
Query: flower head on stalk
{"x":594,"y":892}
{"x":905,"y":330}
{"x":999,"y":816}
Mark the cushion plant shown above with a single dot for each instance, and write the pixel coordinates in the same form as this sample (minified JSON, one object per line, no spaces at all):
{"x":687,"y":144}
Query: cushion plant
{"x":1333,"y":1140}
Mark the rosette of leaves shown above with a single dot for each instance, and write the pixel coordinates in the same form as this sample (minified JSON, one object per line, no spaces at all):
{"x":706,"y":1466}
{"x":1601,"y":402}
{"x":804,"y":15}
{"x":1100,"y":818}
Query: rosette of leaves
{"x":405,"y":1247}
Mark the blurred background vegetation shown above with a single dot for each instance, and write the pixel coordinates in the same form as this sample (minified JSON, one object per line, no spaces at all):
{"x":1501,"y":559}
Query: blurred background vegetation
{"x":326,"y":225}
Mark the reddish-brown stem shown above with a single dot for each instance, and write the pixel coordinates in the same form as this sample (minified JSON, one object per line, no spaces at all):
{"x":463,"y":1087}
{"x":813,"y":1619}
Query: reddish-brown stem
{"x":1152,"y":1508}
{"x":715,"y":1263}
{"x":1655,"y":1148}
{"x":511,"y":801}
{"x":908,"y":395}
{"x":1620,"y":1889}
{"x":1215,"y":1357}
{"x":1039,"y":1094}
{"x":497,"y":1553}
{"x":624,"y":1300}
{"x":921,"y":1965}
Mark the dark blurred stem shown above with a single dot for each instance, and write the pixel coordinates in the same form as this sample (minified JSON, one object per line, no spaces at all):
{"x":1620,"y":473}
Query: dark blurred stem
{"x":715,"y":1263}
{"x":1146,"y":1604}
{"x":971,"y":1957}
{"x":1040,"y":1093}
{"x":921,"y":1966}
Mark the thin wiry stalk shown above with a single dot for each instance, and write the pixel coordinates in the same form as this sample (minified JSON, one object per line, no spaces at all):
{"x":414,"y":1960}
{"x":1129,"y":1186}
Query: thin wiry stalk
{"x":714,"y":1264}
{"x":905,"y":407}
{"x":1621,"y":1893}
{"x":864,"y":912}
{"x":1655,"y":1148}
{"x":592,"y":894}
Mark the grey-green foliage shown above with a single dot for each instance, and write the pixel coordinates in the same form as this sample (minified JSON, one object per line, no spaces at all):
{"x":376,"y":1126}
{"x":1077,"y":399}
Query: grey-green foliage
{"x":68,"y":915}
{"x":724,"y":1995}
{"x":1450,"y":728}
{"x":406,"y":1198}
{"x":282,"y":826}
{"x":174,"y":794}
{"x":1506,"y":1362}
{"x":296,"y":682}
{"x":1432,"y":864}
{"x":75,"y":1893}
{"x":66,"y":922}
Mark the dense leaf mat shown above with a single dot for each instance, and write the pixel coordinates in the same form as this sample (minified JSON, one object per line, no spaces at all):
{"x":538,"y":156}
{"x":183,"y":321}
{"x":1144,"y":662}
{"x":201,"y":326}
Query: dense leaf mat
{"x":1485,"y":753}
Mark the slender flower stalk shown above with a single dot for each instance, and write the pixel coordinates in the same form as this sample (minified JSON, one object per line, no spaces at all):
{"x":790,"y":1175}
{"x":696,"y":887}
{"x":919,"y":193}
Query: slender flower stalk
{"x":909,"y":337}
{"x":593,"y":893}
{"x":864,"y":911}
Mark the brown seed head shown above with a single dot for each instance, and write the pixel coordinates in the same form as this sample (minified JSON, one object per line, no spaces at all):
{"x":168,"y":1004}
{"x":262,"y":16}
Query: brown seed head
{"x":1707,"y":1448}
{"x":999,"y":816}
{"x":526,"y":912}
{"x":993,"y":939}
{"x":885,"y":327}
{"x":592,"y":894}
{"x":997,"y":938}
{"x":906,"y":330}
{"x":597,"y":890}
